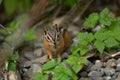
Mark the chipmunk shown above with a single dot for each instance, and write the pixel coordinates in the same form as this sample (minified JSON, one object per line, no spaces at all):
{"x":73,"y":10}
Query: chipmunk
{"x":56,"y":40}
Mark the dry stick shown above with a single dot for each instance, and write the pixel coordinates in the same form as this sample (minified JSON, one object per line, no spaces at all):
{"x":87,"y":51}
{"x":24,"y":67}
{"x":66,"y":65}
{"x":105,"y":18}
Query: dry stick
{"x":116,"y":54}
{"x":5,"y":29}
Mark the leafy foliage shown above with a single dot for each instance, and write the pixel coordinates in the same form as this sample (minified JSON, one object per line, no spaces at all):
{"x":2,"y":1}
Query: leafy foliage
{"x":13,"y":62}
{"x":108,"y":35}
{"x":91,"y":20}
{"x":60,"y":70}
{"x":13,"y":26}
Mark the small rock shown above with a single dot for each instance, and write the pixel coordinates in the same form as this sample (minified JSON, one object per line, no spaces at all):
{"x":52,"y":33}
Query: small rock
{"x":75,"y":40}
{"x":29,"y":55}
{"x":110,"y":63}
{"x":97,"y":66}
{"x":118,"y":61}
{"x":84,"y":74}
{"x":38,"y":52}
{"x":89,"y":65}
{"x":94,"y":75}
{"x":109,"y":71}
{"x":118,"y":67}
{"x":108,"y":78}
{"x":36,"y":68}
{"x":101,"y":70}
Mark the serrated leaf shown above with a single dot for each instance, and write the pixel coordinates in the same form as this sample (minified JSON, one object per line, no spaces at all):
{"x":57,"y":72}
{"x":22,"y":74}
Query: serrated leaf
{"x":91,"y":21}
{"x":83,"y":42}
{"x":99,"y":45}
{"x":72,"y":60}
{"x":90,"y":37}
{"x":101,"y":35}
{"x":82,"y":36}
{"x":115,"y":29}
{"x":104,"y":12}
{"x":50,"y":64}
{"x":68,"y":72}
{"x":37,"y":76}
{"x":106,"y":18}
{"x":83,"y":60}
{"x":40,"y":76}
{"x":77,"y":68}
{"x":111,"y":42}
{"x":75,"y":52}
{"x":83,"y":50}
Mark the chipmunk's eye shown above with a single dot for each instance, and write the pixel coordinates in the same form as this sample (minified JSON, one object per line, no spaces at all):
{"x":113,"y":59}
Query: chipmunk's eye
{"x":58,"y":37}
{"x":48,"y":38}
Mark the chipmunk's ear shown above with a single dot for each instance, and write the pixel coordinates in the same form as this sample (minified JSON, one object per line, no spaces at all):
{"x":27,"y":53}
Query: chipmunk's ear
{"x":57,"y":28}
{"x":45,"y":30}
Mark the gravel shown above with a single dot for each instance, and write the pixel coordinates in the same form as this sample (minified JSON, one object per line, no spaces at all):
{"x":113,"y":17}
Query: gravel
{"x":99,"y":70}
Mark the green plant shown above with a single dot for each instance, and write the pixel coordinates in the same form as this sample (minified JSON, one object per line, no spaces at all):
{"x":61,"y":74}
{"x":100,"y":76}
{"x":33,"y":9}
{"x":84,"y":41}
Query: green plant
{"x":107,"y":37}
{"x":14,"y":25}
{"x":13,"y":62}
{"x":61,"y":70}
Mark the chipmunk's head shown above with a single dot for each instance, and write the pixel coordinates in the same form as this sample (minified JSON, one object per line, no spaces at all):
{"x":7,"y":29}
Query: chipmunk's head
{"x":53,"y":36}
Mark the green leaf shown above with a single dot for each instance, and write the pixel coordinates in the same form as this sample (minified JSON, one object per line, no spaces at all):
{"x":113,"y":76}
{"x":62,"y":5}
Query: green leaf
{"x":12,"y":66}
{"x":115,"y":29}
{"x":91,"y":21}
{"x":101,"y":35}
{"x":90,"y":37}
{"x":50,"y":64}
{"x":37,"y":76}
{"x":40,"y":76}
{"x":83,"y":42}
{"x":83,"y":60}
{"x":77,"y":68}
{"x":104,"y":12}
{"x":10,"y":6}
{"x":106,"y":18}
{"x":99,"y":45}
{"x":84,"y":50}
{"x":30,"y":35}
{"x":72,"y":60}
{"x":111,"y":42}
{"x":15,"y":56}
{"x":75,"y":52}
{"x":82,"y":36}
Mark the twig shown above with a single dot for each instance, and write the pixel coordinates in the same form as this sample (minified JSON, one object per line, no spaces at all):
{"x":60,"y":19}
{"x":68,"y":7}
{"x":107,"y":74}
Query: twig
{"x":5,"y":29}
{"x":116,"y":54}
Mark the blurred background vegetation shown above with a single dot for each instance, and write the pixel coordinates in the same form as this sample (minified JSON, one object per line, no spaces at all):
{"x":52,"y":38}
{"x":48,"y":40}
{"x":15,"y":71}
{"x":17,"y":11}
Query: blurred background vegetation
{"x":23,"y":17}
